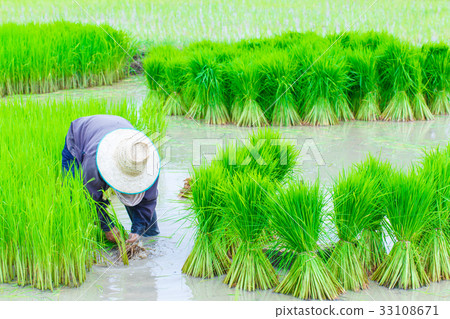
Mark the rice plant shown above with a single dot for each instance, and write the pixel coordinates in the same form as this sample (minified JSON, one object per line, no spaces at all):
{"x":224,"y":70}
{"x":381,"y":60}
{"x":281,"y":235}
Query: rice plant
{"x":208,"y":257}
{"x":364,"y":84}
{"x":371,"y":246}
{"x":296,"y":213}
{"x":245,"y":195}
{"x":246,"y":86}
{"x":437,"y":72}
{"x":435,"y":245}
{"x":279,"y":74}
{"x":418,"y":90}
{"x":48,"y":232}
{"x":408,"y":206}
{"x":40,"y":58}
{"x":353,"y":196}
{"x":395,"y":67}
{"x":327,"y":85}
{"x":175,"y":80}
{"x":205,"y":88}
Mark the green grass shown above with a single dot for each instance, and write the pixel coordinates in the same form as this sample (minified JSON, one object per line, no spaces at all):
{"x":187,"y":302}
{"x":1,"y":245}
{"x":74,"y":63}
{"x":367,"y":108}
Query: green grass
{"x":41,"y":58}
{"x":48,"y":231}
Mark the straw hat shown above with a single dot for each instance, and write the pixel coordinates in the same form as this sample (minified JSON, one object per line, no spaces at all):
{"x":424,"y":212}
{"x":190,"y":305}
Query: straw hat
{"x":128,"y":161}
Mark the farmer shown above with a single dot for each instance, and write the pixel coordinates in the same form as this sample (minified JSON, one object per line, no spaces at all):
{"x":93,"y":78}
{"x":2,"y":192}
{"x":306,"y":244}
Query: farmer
{"x":111,"y":153}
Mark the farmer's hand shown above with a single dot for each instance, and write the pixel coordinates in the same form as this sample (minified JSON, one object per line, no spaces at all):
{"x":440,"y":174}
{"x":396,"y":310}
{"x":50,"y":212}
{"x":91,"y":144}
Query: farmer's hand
{"x":132,"y":238}
{"x":110,"y":235}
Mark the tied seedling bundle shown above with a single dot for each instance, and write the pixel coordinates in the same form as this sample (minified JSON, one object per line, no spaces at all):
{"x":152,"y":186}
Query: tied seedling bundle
{"x":408,"y":206}
{"x":208,"y":257}
{"x":328,"y":83}
{"x":364,"y":85}
{"x":205,"y":87}
{"x":296,"y":214}
{"x":395,"y":67}
{"x":245,"y":195}
{"x":435,"y":244}
{"x":45,"y":57}
{"x":353,"y":196}
{"x":371,"y":247}
{"x":279,"y":77}
{"x":246,"y":84}
{"x":175,"y":80}
{"x":437,"y":72}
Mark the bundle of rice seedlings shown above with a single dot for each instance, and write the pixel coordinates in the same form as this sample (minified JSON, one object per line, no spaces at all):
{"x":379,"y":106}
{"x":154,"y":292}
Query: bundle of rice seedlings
{"x":363,"y":76}
{"x":437,"y":71}
{"x":279,"y":70}
{"x":245,"y":195}
{"x":205,"y":87}
{"x":435,"y":245}
{"x":175,"y":80}
{"x":208,"y":257}
{"x":264,"y":152}
{"x":296,"y":215}
{"x":395,"y":67}
{"x":327,"y":86}
{"x":408,"y":205}
{"x":371,"y":247}
{"x":353,"y":206}
{"x":246,"y":86}
{"x":418,"y":102}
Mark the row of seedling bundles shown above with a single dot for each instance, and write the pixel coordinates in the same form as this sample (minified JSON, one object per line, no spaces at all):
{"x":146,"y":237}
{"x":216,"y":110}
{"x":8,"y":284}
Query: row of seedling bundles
{"x":302,"y":78}
{"x":262,"y":228}
{"x":49,"y":229}
{"x":45,"y":57}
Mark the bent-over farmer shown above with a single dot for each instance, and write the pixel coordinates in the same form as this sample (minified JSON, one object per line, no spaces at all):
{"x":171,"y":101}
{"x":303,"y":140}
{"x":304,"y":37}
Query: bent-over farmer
{"x":111,"y":153}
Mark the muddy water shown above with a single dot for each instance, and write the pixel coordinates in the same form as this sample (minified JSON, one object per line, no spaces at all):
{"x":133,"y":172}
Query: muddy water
{"x":325,"y":151}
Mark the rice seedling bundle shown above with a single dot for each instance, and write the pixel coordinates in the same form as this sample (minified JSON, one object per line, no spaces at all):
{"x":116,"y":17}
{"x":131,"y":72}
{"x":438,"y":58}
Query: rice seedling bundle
{"x":246,"y":83}
{"x":280,"y":71}
{"x":353,"y":196}
{"x":371,"y":246}
{"x":296,"y":214}
{"x":435,"y":245}
{"x":264,"y":152}
{"x":245,"y":195}
{"x":364,"y":84}
{"x":208,"y":257}
{"x":48,"y":233}
{"x":204,"y":86}
{"x":395,"y":67}
{"x":327,"y":87}
{"x":408,"y":207}
{"x":175,"y":81}
{"x":40,"y":58}
{"x":437,"y":72}
{"x":417,"y":92}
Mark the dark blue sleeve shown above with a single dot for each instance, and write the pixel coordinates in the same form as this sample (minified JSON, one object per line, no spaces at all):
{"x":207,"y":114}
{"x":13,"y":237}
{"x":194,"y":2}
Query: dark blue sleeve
{"x":142,"y":215}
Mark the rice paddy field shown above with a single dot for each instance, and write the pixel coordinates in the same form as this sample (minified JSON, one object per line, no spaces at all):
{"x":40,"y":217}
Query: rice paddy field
{"x":314,"y":137}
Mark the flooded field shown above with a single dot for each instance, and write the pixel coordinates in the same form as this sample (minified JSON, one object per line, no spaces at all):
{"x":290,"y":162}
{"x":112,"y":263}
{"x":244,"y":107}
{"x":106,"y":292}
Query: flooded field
{"x":325,"y":151}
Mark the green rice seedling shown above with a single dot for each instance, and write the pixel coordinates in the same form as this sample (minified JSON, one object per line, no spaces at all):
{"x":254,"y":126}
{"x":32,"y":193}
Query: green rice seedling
{"x":327,"y":83}
{"x":435,"y":246}
{"x":208,"y":257}
{"x":371,"y":247}
{"x":363,"y":76}
{"x":175,"y":80}
{"x":437,"y":72}
{"x":246,"y":85}
{"x":49,"y":237}
{"x":408,"y":206}
{"x":395,"y":66}
{"x":245,"y":195}
{"x":280,"y":71}
{"x":264,"y":152}
{"x":418,"y":90}
{"x":61,"y":55}
{"x":296,"y":214}
{"x":204,"y":86}
{"x":353,"y":203}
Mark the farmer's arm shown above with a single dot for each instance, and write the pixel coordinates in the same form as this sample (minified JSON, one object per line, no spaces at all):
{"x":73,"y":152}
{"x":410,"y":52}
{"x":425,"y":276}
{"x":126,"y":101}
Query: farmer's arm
{"x":143,"y":215}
